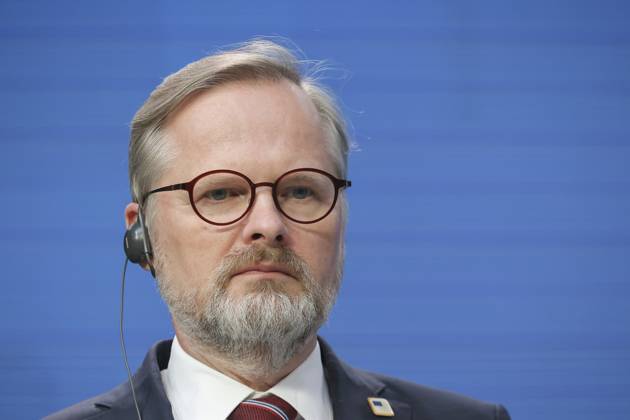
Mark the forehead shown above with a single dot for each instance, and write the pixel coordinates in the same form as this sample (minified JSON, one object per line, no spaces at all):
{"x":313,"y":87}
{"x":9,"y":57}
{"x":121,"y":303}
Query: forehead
{"x":265,"y":127}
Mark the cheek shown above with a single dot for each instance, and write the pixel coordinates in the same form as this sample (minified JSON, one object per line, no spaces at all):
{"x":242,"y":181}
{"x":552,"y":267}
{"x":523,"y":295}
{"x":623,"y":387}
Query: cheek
{"x":324,"y":249}
{"x":191,"y":250}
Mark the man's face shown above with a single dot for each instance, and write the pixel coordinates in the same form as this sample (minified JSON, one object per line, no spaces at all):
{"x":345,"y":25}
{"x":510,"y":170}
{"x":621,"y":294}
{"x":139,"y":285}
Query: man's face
{"x":261,"y":129}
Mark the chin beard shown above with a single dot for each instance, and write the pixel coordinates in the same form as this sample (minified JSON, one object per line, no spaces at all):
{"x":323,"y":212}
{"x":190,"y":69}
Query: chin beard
{"x":259,"y":332}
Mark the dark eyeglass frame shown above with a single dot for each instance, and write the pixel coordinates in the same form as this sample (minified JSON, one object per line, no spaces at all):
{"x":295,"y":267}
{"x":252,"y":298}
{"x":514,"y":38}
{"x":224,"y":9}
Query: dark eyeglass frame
{"x":190,"y":186}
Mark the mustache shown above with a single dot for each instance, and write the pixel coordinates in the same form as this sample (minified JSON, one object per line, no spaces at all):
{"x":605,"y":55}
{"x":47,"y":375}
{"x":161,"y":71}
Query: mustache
{"x":255,"y":254}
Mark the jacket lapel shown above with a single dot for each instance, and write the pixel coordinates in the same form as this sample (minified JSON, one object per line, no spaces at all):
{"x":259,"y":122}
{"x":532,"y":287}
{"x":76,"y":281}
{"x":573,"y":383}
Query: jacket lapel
{"x":151,"y":394}
{"x":147,"y":380}
{"x":350,"y":388}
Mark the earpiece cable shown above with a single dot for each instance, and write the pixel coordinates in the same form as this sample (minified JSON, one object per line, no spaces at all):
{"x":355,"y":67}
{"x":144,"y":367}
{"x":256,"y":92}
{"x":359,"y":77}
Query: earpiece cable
{"x":122,"y":338}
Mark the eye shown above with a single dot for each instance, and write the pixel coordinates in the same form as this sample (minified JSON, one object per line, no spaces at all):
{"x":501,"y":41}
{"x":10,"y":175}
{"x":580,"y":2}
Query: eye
{"x":222,"y":194}
{"x":218,"y":195}
{"x":300,"y":192}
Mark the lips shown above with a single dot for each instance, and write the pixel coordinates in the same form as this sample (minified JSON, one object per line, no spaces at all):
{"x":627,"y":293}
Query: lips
{"x":264,"y":268}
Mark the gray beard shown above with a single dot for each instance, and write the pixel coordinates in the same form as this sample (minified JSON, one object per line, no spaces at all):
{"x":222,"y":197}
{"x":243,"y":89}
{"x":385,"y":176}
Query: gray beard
{"x":257,"y":333}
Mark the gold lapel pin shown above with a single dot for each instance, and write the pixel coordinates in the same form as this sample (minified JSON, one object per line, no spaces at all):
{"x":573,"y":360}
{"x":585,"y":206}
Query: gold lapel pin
{"x":380,"y":407}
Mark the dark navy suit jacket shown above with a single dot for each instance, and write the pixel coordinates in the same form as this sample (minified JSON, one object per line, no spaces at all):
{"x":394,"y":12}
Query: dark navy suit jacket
{"x":349,"y":389}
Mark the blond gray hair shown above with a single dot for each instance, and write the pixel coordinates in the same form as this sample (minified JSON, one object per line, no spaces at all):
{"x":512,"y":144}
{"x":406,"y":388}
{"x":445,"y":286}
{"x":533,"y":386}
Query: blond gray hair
{"x":149,"y":151}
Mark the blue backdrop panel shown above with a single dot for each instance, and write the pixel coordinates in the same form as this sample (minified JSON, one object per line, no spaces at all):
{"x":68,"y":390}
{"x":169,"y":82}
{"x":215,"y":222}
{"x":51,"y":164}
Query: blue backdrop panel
{"x":488,"y":246}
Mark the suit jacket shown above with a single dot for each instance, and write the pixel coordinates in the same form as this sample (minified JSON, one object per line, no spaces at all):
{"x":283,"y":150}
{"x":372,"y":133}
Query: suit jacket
{"x":349,"y":389}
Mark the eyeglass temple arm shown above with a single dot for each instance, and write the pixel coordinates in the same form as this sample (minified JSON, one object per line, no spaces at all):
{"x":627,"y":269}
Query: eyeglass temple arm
{"x":183,"y":186}
{"x":343,"y":183}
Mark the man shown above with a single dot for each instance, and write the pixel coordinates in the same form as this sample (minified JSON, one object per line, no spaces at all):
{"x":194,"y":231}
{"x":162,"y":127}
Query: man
{"x":238,"y":176}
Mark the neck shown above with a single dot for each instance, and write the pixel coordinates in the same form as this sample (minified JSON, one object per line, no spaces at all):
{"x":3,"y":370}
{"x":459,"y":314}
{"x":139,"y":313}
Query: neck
{"x":258,"y":379}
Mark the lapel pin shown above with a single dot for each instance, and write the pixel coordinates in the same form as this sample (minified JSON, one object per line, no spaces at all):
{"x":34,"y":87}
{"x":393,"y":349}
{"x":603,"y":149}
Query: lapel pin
{"x":380,"y":407}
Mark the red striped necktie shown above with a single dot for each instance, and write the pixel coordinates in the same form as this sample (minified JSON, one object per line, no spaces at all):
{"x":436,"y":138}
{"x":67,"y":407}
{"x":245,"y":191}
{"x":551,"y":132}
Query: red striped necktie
{"x":269,"y":407}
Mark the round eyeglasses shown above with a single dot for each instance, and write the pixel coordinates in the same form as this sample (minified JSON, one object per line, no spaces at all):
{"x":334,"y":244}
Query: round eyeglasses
{"x":222,"y":197}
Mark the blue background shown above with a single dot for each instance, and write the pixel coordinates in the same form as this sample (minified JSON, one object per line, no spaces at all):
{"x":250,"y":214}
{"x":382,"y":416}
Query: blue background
{"x":488,"y":246}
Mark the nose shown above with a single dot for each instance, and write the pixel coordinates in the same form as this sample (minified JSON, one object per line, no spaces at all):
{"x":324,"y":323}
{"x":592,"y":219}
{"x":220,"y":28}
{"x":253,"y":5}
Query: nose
{"x":265,"y":224}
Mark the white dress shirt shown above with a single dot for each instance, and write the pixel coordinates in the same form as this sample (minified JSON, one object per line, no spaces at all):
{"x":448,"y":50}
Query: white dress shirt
{"x":198,"y":392}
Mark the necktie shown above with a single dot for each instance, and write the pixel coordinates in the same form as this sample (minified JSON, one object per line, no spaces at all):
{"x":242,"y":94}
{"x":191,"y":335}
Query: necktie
{"x":270,"y":407}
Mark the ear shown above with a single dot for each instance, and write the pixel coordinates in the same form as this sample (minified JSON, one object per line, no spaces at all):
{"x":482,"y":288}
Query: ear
{"x":131,"y":214}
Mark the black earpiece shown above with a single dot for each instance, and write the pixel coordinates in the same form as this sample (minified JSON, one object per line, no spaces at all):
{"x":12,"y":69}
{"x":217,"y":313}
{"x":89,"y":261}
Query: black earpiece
{"x":137,"y":244}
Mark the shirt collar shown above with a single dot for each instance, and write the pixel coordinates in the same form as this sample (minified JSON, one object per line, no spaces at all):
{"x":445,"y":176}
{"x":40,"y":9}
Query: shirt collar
{"x":305,"y":388}
{"x":190,"y":386}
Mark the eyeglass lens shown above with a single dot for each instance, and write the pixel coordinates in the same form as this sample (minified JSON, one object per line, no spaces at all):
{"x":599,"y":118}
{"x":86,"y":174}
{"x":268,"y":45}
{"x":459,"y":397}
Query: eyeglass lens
{"x":302,"y":195}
